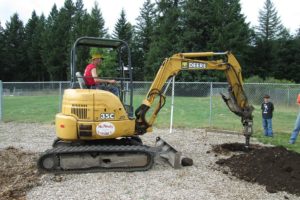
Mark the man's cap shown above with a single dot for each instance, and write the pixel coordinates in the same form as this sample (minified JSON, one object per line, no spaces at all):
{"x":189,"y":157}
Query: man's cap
{"x":266,"y":96}
{"x":97,"y":55}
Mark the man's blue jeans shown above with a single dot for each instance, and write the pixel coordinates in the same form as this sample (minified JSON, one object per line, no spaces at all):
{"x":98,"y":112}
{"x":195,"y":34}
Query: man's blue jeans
{"x":112,"y":89}
{"x":267,"y":125}
{"x":296,"y":130}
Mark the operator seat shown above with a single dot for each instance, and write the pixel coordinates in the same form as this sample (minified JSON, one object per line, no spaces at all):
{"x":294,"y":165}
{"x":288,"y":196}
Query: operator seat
{"x":81,"y":80}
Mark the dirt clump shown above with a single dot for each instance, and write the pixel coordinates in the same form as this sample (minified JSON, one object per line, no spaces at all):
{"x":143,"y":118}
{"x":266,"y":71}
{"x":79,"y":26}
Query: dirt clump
{"x":228,"y":148}
{"x":18,"y":173}
{"x":274,"y":167}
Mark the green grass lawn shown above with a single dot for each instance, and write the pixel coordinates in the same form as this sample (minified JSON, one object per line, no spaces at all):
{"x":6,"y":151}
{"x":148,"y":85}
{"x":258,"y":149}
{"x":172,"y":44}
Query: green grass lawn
{"x":41,"y":109}
{"x":189,"y":112}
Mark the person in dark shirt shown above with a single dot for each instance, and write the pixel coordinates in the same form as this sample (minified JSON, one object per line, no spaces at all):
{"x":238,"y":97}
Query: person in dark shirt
{"x":267,"y":109}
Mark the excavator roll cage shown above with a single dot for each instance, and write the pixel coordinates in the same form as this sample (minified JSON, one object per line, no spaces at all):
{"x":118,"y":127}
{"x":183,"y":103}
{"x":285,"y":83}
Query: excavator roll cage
{"x":124,"y":58}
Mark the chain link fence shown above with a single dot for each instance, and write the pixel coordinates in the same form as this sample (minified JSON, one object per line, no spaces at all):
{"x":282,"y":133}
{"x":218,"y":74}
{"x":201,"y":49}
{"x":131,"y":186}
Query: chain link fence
{"x":196,"y":104}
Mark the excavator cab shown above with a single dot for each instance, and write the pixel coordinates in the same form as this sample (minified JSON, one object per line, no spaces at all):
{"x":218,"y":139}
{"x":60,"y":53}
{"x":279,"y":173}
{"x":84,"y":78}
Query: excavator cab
{"x":120,"y":51}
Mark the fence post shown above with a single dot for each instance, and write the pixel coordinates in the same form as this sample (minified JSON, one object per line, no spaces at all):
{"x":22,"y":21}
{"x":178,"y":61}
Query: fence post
{"x":1,"y":101}
{"x":210,"y":103}
{"x":172,"y":104}
{"x":288,"y":96}
{"x":60,"y":98}
{"x":126,"y":92}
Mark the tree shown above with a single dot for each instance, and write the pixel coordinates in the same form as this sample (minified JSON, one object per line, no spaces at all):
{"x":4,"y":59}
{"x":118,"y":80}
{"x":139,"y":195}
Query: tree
{"x":269,"y":30}
{"x":196,"y":25}
{"x":2,"y":55}
{"x":142,"y":39}
{"x":14,"y":67}
{"x":80,"y":27}
{"x":287,"y":61}
{"x":33,"y":33}
{"x":96,"y":24}
{"x":58,"y":40}
{"x":298,"y":33}
{"x":79,"y":21}
{"x":270,"y":26}
{"x":166,"y":36}
{"x":123,"y":28}
{"x":213,"y":25}
{"x":49,"y":50}
{"x":124,"y":31}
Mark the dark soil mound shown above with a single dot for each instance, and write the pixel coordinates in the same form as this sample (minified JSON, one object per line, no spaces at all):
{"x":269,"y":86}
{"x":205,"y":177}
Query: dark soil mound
{"x":18,"y":173}
{"x":275,"y":167}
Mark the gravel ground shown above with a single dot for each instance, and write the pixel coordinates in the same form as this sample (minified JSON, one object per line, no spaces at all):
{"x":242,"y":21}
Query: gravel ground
{"x":203,"y":180}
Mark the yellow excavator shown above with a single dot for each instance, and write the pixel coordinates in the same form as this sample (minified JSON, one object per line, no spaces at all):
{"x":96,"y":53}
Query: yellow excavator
{"x":98,"y":131}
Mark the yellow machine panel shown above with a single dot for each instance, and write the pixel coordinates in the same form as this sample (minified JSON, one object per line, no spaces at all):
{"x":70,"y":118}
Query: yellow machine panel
{"x":92,"y":114}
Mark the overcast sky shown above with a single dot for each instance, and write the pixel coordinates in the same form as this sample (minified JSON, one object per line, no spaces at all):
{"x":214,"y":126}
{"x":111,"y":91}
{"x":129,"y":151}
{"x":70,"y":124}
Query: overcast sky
{"x":288,"y":10}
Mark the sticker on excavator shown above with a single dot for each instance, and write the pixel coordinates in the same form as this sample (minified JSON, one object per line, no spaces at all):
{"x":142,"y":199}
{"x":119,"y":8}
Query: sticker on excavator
{"x":193,"y":65}
{"x":105,"y":129}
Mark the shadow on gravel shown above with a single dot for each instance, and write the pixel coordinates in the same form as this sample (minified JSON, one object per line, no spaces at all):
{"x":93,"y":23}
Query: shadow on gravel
{"x":274,"y":167}
{"x":18,"y":173}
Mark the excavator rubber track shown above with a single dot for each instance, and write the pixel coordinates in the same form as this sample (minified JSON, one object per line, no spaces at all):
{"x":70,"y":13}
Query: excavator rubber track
{"x":96,"y":158}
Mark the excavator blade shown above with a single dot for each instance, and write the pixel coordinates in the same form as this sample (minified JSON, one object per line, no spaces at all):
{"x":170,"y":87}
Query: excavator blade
{"x":174,"y":157}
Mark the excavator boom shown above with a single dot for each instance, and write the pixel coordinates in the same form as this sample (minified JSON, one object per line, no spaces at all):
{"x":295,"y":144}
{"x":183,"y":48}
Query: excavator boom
{"x":237,"y":101}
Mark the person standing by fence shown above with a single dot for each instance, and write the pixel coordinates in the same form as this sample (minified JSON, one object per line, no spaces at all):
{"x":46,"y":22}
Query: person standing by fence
{"x":267,"y":108}
{"x":296,"y":130}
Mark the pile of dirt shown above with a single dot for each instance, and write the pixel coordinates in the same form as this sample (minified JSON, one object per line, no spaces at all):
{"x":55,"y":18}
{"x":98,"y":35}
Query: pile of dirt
{"x":275,"y":167}
{"x":18,"y":173}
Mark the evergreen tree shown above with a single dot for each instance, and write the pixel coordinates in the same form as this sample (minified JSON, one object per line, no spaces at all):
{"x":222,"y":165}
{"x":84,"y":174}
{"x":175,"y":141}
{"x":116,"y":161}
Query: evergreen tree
{"x":229,"y":31}
{"x":298,"y":33}
{"x":58,"y":36}
{"x":80,"y":29}
{"x":64,"y":28}
{"x":270,"y":25}
{"x":2,"y":55}
{"x":265,"y":51}
{"x":33,"y":32}
{"x":79,"y":21}
{"x":40,"y":29}
{"x":196,"y":25}
{"x":14,"y":67}
{"x":166,"y":36}
{"x":142,"y":39}
{"x":95,"y":24}
{"x":50,"y":47}
{"x":287,"y":60}
{"x":123,"y":29}
{"x":213,"y":25}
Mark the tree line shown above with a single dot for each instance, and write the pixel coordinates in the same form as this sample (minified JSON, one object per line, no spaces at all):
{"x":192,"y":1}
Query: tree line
{"x":40,"y":49}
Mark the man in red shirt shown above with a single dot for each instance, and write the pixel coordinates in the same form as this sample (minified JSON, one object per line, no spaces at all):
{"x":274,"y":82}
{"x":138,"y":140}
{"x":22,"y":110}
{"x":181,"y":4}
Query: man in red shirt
{"x":92,"y":80}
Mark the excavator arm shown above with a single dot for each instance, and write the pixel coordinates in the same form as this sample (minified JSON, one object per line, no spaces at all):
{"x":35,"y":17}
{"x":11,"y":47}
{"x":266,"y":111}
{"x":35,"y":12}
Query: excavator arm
{"x":236,"y":100}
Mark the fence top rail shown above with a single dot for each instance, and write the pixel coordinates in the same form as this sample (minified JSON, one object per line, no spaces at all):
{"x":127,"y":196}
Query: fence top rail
{"x":149,"y":82}
{"x":284,"y":84}
{"x":37,"y":82}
